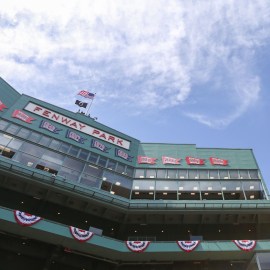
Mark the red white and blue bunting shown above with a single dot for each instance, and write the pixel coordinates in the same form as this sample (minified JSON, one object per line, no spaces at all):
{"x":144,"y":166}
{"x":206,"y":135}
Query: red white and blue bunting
{"x":137,"y":246}
{"x":246,"y":245}
{"x":188,"y":246}
{"x":25,"y":219}
{"x":80,"y":235}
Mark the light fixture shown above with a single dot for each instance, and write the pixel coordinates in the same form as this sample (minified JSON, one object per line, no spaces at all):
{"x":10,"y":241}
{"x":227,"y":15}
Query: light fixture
{"x":58,"y":213}
{"x":251,"y":196}
{"x":165,"y":193}
{"x":151,"y":188}
{"x":192,"y":193}
{"x":118,"y":183}
{"x":195,"y":188}
{"x":233,"y":193}
{"x":224,"y":188}
{"x":85,"y":221}
{"x":166,"y":188}
{"x":137,"y":193}
{"x":210,"y":188}
{"x":151,"y":193}
{"x":181,"y":188}
{"x":251,"y":187}
{"x":136,"y":187}
{"x":206,"y":193}
{"x":104,"y":178}
{"x":112,"y":192}
{"x":237,"y":188}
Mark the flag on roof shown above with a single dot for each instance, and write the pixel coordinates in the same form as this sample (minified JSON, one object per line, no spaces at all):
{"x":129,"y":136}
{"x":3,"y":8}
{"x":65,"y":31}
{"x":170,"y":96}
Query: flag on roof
{"x":81,"y":104}
{"x":86,"y":94}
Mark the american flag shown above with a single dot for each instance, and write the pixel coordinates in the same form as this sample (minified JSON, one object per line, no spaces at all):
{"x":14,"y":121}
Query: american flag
{"x":86,"y":94}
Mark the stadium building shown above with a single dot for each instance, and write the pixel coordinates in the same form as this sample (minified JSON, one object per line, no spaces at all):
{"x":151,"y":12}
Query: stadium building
{"x":76,"y":194}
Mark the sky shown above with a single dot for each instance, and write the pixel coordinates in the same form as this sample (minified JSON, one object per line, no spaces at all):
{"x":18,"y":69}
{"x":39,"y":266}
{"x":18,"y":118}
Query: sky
{"x":171,"y":71}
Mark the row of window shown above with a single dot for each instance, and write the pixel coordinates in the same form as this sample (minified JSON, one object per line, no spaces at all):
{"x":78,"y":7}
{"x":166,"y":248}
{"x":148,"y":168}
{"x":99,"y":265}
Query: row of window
{"x":196,"y":174}
{"x":65,"y":148}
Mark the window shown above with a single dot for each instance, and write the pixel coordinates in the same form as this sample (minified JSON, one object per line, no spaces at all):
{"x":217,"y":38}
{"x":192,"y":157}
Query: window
{"x":234,"y":174}
{"x":13,"y":129}
{"x":44,"y":140}
{"x":64,"y":147}
{"x":182,"y":174}
{"x":166,"y":190}
{"x":139,"y":173}
{"x":213,"y":174}
{"x":6,"y":152}
{"x":73,"y":151}
{"x":203,"y":174}
{"x":93,"y":170}
{"x":111,"y":164}
{"x":143,"y":190}
{"x":73,"y":163}
{"x":171,"y":173}
{"x":34,"y":137}
{"x":26,"y":159}
{"x":32,"y":149}
{"x":3,"y":124}
{"x":83,"y":154}
{"x":120,"y":168}
{"x":224,"y":174}
{"x":53,"y":157}
{"x":244,"y":174}
{"x":93,"y":158}
{"x":129,"y":171}
{"x":102,"y":161}
{"x":193,"y":174}
{"x":55,"y":144}
{"x":23,"y":133}
{"x":253,"y":174}
{"x":161,"y":173}
{"x":150,"y":173}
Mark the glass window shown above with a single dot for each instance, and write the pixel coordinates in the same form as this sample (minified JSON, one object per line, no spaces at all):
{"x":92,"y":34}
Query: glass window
{"x":210,"y":186}
{"x":150,"y":173}
{"x":193,"y":174}
{"x":44,"y":140}
{"x":234,"y":174}
{"x":139,"y":173}
{"x":252,"y":185}
{"x":182,"y":174}
{"x":111,"y":164}
{"x":73,"y":163}
{"x":90,"y":180}
{"x":129,"y":171}
{"x":166,"y":185}
{"x":93,"y":158}
{"x":161,"y":173}
{"x":189,"y":186}
{"x":224,"y":174}
{"x":93,"y":170}
{"x":55,"y":144}
{"x":172,"y":173}
{"x":244,"y":174}
{"x":213,"y":174}
{"x":26,"y":159}
{"x":13,"y":129}
{"x":32,"y":149}
{"x":73,"y":151}
{"x":253,"y":174}
{"x":34,"y":137}
{"x":23,"y":133}
{"x":53,"y":157}
{"x":203,"y":174}
{"x":143,"y":185}
{"x":15,"y":143}
{"x":102,"y":161}
{"x":120,"y":168}
{"x":5,"y":139}
{"x":83,"y":154}
{"x":3,"y":124}
{"x":64,"y":147}
{"x":69,"y":174}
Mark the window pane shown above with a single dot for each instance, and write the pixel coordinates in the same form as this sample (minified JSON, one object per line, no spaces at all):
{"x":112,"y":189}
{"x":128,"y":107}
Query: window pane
{"x":34,"y":137}
{"x":53,"y":157}
{"x":253,"y":174}
{"x":32,"y":149}
{"x":26,"y":159}
{"x":244,"y":174}
{"x":210,"y":186}
{"x":224,"y":174}
{"x":234,"y":174}
{"x":64,"y":147}
{"x":111,"y":164}
{"x":23,"y":133}
{"x":73,"y":151}
{"x":83,"y":154}
{"x":5,"y":139}
{"x":161,"y":173}
{"x":203,"y":174}
{"x":171,"y":173}
{"x":73,"y":163}
{"x":102,"y":161}
{"x":166,"y":185}
{"x":93,"y":158}
{"x":139,"y":173}
{"x":143,"y":185}
{"x":12,"y":129}
{"x":120,"y":168}
{"x":182,"y":174}
{"x":93,"y":170}
{"x":15,"y":143}
{"x":150,"y":173}
{"x":3,"y":124}
{"x":129,"y":171}
{"x":44,"y":140}
{"x":193,"y":174}
{"x":213,"y":174}
{"x":54,"y":144}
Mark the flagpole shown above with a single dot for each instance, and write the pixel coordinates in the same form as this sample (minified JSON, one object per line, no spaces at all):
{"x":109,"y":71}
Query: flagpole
{"x":90,"y":104}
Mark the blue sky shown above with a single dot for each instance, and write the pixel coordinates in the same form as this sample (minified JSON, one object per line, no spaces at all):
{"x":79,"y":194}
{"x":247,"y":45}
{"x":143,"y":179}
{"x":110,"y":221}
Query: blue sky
{"x":163,"y":71}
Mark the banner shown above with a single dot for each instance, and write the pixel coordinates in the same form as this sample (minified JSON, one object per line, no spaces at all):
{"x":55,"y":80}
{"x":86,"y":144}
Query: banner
{"x":146,"y":160}
{"x":86,"y":94}
{"x":170,"y":160}
{"x":188,"y":246}
{"x":22,"y":116}
{"x":80,"y":235}
{"x":194,"y":161}
{"x":137,"y":246}
{"x":100,"y":146}
{"x":120,"y":153}
{"x":2,"y":106}
{"x":47,"y":125}
{"x":81,"y":104}
{"x":25,"y":219}
{"x":218,"y":161}
{"x":75,"y":137}
{"x":245,"y":245}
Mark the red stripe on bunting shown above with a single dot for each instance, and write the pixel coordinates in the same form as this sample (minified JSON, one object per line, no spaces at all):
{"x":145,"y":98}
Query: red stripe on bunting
{"x":80,"y":235}
{"x":25,"y":219}
{"x":188,"y":246}
{"x":245,"y":245}
{"x":137,"y":246}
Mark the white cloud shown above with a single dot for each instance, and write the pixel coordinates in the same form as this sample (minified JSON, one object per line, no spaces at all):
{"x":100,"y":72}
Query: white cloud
{"x":168,"y":52}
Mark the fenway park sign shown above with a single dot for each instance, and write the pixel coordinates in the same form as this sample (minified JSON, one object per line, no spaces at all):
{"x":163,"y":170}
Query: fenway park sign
{"x":71,"y":123}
